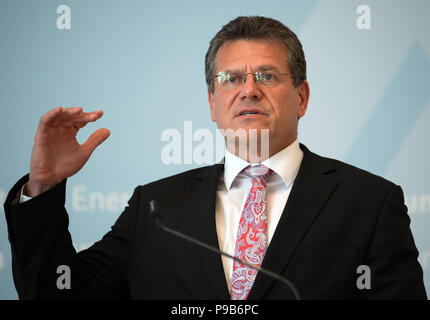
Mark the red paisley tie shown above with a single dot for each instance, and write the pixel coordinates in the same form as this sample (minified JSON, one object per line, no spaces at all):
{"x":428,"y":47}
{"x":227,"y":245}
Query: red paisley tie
{"x":251,"y":238}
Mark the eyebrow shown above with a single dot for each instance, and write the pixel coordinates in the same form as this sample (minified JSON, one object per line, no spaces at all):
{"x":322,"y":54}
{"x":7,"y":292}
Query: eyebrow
{"x":268,"y":67}
{"x":265,"y":67}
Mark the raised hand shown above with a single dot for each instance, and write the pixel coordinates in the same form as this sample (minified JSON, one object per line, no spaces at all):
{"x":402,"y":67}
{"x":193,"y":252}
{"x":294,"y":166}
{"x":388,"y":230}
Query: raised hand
{"x":56,"y":153}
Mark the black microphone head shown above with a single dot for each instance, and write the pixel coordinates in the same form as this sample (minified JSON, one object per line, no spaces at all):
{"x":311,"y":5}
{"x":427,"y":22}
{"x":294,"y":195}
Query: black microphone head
{"x":154,"y":210}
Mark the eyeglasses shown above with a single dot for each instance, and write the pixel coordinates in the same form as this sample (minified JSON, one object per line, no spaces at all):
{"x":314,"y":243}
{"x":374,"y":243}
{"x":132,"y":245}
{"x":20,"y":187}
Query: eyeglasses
{"x":232,"y":80}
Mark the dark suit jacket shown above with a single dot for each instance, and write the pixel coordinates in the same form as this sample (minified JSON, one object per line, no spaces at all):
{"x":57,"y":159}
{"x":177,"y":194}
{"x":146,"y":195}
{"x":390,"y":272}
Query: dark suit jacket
{"x":337,"y":218}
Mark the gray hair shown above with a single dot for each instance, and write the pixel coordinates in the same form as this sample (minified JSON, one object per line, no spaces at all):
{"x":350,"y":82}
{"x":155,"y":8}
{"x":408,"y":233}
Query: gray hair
{"x":259,"y":28}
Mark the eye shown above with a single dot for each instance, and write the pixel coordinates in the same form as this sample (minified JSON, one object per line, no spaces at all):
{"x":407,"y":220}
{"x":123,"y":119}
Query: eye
{"x":267,"y":76}
{"x":232,"y":79}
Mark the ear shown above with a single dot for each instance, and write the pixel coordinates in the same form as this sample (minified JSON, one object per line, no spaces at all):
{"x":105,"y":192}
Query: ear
{"x":303,"y":93}
{"x":211,"y":105}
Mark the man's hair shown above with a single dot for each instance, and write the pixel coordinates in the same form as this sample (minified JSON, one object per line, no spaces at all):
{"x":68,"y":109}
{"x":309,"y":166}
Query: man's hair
{"x":257,"y":28}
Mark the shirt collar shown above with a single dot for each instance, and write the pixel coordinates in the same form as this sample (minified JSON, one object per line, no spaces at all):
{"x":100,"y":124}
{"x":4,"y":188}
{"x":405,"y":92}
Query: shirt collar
{"x":285,"y":163}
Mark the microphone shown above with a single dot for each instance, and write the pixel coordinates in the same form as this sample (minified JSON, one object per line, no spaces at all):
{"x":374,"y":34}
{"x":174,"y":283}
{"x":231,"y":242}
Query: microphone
{"x":155,"y":214}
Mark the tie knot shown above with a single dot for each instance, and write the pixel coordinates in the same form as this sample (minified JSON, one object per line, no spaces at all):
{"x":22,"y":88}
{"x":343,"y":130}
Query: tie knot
{"x":259,"y":171}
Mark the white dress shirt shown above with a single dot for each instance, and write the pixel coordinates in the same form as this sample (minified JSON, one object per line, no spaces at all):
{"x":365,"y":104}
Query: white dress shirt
{"x":233,"y":189}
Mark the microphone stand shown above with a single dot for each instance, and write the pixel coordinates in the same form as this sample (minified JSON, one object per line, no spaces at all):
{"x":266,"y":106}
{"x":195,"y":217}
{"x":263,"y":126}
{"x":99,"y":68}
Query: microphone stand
{"x":154,"y":211}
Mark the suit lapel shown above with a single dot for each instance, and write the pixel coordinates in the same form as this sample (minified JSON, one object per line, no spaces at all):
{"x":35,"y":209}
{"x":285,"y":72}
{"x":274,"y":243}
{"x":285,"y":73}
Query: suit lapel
{"x":201,"y":202}
{"x":312,"y":188}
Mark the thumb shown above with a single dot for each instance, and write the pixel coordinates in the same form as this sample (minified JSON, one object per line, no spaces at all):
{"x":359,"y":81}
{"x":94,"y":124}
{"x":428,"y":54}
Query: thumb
{"x":96,"y":139}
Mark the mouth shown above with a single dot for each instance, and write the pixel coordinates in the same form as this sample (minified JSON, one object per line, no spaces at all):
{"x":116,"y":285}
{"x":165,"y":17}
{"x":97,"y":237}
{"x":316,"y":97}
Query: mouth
{"x":250,"y":112}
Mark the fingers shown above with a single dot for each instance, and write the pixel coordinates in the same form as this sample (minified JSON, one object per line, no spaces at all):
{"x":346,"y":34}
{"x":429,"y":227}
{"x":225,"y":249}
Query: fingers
{"x":96,"y":139}
{"x":82,"y":121}
{"x":79,"y":120}
{"x":75,"y":117}
{"x":69,"y":117}
{"x":51,"y":116}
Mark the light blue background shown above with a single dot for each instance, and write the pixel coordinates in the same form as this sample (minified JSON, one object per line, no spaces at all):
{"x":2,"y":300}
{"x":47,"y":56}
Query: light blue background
{"x":142,"y":63}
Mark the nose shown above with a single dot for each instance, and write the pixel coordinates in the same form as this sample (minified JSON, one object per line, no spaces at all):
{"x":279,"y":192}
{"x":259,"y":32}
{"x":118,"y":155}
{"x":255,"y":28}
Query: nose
{"x":250,"y":89}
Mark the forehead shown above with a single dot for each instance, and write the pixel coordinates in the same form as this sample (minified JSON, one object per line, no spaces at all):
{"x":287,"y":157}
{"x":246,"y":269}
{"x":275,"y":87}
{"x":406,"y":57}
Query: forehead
{"x":250,"y":54}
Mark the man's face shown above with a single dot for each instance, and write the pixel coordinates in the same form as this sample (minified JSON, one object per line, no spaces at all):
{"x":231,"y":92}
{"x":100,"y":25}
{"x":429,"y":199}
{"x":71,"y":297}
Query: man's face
{"x":278,"y":108}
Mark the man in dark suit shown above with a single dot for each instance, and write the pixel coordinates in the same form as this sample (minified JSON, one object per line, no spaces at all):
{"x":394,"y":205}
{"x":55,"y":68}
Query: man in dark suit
{"x":315,"y":221}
